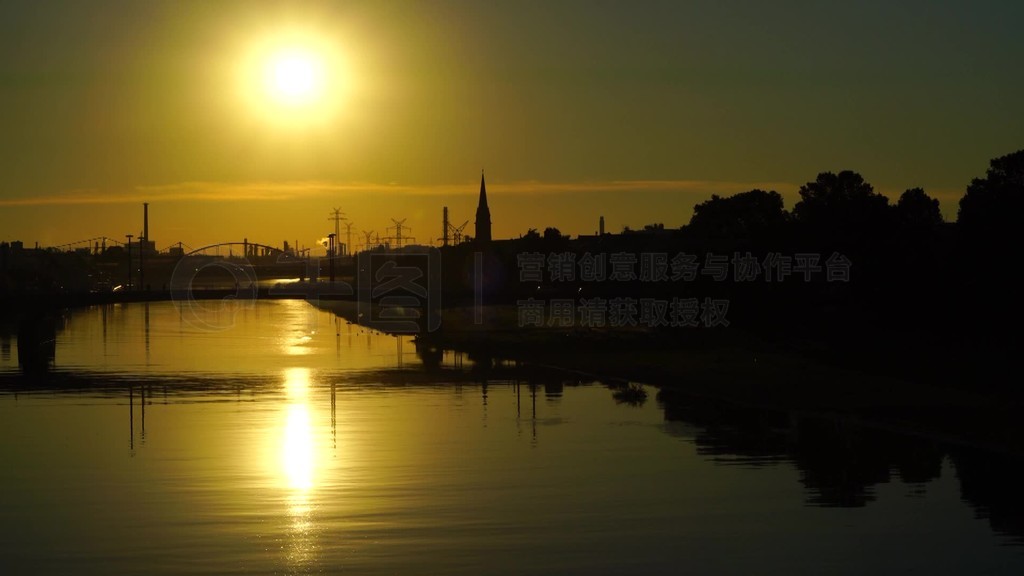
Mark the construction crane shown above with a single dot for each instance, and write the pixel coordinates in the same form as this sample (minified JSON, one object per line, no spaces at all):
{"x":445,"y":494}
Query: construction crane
{"x":457,"y":232}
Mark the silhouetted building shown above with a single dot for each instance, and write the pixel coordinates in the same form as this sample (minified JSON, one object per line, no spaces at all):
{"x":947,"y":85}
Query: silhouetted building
{"x":143,"y":245}
{"x":483,"y":214}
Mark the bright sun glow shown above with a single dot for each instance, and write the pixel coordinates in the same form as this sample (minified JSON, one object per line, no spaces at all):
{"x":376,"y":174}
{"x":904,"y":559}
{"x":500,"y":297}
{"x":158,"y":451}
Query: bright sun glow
{"x":295,"y":78}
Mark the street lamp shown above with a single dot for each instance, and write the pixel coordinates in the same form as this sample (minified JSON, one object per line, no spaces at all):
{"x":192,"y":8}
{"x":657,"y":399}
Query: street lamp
{"x":330,"y":254}
{"x":142,"y":263}
{"x":129,"y":237}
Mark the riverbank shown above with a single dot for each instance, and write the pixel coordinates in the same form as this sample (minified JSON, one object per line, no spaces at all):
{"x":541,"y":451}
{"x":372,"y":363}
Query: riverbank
{"x":739,"y":367}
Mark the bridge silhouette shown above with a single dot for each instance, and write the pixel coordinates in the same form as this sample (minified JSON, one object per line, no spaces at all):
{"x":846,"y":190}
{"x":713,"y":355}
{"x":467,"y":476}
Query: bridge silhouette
{"x":249,"y":249}
{"x":233,"y":269}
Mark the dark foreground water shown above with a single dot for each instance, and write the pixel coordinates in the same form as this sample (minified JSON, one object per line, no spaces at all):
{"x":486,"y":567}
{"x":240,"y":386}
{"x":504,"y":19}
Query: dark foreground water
{"x":278,"y":439}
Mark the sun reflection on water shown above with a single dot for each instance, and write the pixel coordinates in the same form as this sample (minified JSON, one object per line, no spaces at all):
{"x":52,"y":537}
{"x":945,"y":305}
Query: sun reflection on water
{"x":298,"y":467}
{"x":297,"y":458}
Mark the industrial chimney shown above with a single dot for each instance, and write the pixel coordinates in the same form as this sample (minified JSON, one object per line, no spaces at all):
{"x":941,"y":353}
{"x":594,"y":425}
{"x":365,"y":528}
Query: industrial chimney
{"x":145,"y":221}
{"x":444,"y":227}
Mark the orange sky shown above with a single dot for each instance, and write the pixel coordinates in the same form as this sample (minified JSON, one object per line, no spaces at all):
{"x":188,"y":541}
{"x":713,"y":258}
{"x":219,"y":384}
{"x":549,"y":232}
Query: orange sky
{"x":575,"y":109}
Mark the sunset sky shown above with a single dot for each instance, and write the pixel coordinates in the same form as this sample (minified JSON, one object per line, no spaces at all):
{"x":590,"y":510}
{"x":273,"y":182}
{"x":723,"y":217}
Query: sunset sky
{"x":576,"y":109}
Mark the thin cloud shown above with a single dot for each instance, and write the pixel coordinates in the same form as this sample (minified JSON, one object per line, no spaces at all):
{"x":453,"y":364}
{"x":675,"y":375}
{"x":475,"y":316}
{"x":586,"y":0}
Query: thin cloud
{"x":293,"y":190}
{"x":704,"y":186}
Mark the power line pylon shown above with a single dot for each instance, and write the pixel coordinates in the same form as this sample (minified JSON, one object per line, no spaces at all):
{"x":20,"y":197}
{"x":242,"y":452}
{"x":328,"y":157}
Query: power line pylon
{"x":369,"y":239}
{"x":337,"y":216}
{"x":399,"y":228}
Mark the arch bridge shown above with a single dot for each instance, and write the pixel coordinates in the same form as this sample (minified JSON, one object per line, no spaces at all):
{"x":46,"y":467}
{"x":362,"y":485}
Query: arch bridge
{"x":247,"y":250}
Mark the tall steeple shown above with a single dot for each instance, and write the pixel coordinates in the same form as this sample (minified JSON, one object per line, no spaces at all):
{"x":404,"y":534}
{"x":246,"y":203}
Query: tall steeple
{"x":483,"y":214}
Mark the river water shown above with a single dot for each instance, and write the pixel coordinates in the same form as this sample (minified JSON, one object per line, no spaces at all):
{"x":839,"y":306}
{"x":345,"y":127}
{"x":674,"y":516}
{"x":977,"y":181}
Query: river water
{"x":272,"y":437}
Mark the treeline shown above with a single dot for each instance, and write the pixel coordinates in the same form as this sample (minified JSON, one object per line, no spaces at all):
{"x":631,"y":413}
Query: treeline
{"x":845,"y":270}
{"x":911,"y":271}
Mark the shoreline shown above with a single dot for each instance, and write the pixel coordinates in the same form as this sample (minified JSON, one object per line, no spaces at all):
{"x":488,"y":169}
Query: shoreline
{"x":742,"y":369}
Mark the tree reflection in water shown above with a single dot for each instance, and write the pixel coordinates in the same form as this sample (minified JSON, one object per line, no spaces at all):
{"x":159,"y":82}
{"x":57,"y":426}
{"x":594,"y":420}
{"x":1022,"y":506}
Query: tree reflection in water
{"x":842,"y":462}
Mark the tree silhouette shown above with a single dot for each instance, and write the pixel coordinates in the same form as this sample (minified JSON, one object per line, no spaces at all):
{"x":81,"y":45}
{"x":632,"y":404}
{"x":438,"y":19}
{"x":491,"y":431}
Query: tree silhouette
{"x":988,"y":220}
{"x":843,"y":212}
{"x":742,"y":215}
{"x":842,"y":199}
{"x":915,"y":259}
{"x":552,"y":233}
{"x":991,"y":209}
{"x":915,"y":209}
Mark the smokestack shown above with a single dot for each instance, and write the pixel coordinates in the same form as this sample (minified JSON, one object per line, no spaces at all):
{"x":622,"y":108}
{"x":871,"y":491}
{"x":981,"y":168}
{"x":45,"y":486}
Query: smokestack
{"x":601,"y":226}
{"x":145,"y":220}
{"x":444,"y":228}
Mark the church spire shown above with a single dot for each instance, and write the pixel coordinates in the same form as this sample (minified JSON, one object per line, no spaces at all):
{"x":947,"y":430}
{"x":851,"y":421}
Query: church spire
{"x":483,"y":214}
{"x":483,"y":190}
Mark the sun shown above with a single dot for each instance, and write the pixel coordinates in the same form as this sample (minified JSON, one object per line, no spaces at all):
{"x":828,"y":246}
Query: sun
{"x":293,"y":81}
{"x":295,"y":77}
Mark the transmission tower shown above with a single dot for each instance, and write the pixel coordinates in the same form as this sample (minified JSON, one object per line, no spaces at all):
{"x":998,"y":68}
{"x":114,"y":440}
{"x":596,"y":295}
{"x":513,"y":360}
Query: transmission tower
{"x":369,"y":239}
{"x":400,"y":227}
{"x":337,"y":216}
{"x":348,"y":236}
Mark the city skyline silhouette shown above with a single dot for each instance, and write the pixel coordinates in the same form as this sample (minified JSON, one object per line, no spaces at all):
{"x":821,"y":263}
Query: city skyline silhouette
{"x":463,"y":287}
